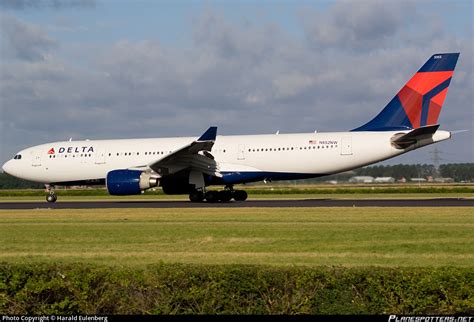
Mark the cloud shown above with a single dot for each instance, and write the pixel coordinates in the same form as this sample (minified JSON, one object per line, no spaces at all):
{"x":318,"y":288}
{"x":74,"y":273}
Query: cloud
{"x":40,"y":4}
{"x":24,"y":41}
{"x":245,"y":78}
{"x":359,"y":26}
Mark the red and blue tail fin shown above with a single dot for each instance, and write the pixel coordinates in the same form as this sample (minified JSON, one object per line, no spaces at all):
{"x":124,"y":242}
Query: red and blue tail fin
{"x":419,"y":102}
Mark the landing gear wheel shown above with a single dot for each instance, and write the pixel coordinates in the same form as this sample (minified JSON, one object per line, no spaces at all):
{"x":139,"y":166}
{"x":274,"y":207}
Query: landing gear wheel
{"x":196,"y":196}
{"x":240,"y":195}
{"x":225,"y":195}
{"x":51,"y":197}
{"x":212,"y":196}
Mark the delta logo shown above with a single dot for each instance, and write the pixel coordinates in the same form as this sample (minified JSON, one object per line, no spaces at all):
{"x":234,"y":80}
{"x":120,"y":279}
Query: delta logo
{"x":73,"y":149}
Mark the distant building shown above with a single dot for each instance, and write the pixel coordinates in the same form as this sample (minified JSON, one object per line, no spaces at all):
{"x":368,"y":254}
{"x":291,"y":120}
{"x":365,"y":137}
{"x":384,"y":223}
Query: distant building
{"x":418,"y":179}
{"x":384,"y":180}
{"x":444,"y":180}
{"x":361,"y":179}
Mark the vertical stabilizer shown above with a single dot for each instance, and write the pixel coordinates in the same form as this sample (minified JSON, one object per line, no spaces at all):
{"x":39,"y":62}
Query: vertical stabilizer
{"x":419,"y":102}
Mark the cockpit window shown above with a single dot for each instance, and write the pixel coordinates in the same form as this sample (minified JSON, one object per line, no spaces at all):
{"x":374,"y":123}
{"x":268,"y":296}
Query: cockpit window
{"x":17,"y":157}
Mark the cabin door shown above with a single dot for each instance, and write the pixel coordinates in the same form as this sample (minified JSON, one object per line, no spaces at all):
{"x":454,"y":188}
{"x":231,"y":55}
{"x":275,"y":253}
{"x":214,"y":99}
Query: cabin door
{"x":241,"y":155}
{"x":100,"y":156}
{"x":346,"y":145}
{"x":35,"y":159}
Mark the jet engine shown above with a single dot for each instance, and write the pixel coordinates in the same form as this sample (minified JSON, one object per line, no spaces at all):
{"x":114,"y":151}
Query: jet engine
{"x":130,"y":182}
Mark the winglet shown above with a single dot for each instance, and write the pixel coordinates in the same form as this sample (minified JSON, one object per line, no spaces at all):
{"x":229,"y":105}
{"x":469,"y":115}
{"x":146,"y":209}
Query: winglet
{"x":209,"y":135}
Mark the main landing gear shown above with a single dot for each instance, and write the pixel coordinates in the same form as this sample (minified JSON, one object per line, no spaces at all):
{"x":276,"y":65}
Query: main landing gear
{"x":51,"y":196}
{"x":215,"y":196}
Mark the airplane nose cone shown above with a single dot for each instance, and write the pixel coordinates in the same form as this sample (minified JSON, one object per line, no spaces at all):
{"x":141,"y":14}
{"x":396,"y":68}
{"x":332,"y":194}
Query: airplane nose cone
{"x":7,"y":166}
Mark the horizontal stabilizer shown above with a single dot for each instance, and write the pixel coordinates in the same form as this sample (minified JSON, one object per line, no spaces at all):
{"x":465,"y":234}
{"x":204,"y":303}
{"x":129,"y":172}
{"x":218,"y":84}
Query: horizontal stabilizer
{"x":402,"y":141}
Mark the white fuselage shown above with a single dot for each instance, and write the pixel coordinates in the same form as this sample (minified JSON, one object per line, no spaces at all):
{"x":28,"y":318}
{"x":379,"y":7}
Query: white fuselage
{"x":291,"y":154}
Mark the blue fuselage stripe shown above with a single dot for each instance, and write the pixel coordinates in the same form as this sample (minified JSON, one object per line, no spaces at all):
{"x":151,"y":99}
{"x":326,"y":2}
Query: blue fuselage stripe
{"x":254,"y":176}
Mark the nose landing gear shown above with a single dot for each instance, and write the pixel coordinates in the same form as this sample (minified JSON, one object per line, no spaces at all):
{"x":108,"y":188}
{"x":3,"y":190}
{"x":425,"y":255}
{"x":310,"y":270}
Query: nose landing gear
{"x":51,"y":196}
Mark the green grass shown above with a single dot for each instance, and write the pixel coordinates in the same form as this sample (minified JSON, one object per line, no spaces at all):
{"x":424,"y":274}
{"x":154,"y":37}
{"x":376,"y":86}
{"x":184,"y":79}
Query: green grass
{"x":251,"y":197}
{"x":388,"y":237}
{"x":237,"y":261}
{"x":270,"y":191}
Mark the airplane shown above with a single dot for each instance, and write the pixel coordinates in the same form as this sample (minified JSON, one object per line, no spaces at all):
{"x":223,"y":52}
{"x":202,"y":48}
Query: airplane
{"x":189,"y":165}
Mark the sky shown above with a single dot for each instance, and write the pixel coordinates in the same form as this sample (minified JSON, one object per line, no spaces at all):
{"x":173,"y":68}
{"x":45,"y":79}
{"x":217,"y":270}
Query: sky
{"x":92,"y":69}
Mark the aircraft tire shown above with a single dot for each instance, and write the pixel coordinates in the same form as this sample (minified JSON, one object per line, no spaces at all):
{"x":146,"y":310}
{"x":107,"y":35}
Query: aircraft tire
{"x":225,"y":195}
{"x":212,"y":196}
{"x":196,"y":196}
{"x":240,"y":195}
{"x":51,"y":198}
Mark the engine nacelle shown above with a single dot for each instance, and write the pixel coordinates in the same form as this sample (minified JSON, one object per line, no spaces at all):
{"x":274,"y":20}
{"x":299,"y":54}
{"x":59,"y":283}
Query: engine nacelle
{"x":129,"y":182}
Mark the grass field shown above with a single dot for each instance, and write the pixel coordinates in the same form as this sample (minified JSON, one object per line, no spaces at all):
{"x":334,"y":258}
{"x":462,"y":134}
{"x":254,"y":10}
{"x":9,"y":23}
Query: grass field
{"x":388,"y":237}
{"x":270,"y":191}
{"x":251,"y":197}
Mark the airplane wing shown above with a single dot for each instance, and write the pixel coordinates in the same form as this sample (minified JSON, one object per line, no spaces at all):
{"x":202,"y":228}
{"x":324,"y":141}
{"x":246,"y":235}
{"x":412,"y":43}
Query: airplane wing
{"x":194,"y":156}
{"x":411,"y":138}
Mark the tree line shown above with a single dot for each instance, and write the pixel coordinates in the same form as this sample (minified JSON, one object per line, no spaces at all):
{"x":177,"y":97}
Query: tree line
{"x":457,"y":171}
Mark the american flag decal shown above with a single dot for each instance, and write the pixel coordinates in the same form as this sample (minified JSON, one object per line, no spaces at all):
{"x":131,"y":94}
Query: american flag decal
{"x":313,"y":142}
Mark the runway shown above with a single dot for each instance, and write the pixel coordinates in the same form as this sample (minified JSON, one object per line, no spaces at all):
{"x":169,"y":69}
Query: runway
{"x":437,"y":202}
